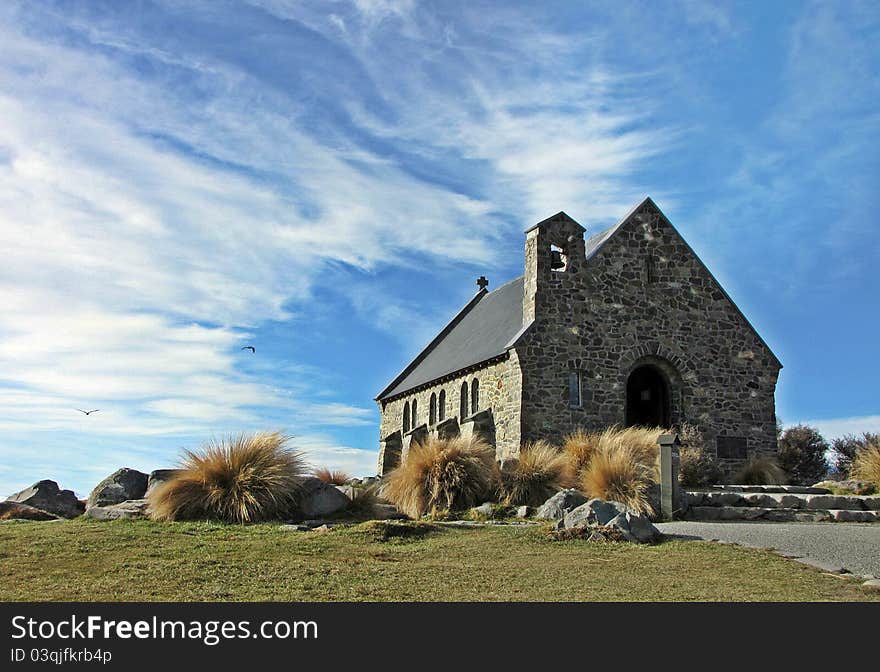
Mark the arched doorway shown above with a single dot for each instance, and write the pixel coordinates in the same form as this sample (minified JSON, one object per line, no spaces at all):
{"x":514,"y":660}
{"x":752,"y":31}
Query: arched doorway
{"x":647,"y":398}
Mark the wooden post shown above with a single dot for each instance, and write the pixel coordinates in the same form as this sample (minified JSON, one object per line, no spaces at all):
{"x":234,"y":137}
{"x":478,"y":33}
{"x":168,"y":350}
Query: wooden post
{"x":668,"y":473}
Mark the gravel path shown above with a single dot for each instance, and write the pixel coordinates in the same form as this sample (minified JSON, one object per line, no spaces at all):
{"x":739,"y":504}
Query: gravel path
{"x":829,"y":546}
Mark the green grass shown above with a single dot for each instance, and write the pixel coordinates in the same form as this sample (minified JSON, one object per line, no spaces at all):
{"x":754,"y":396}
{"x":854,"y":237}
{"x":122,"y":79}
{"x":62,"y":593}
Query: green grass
{"x":142,"y":560}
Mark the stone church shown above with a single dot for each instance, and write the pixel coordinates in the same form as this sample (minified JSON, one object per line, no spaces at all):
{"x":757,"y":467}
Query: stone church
{"x":627,"y":327}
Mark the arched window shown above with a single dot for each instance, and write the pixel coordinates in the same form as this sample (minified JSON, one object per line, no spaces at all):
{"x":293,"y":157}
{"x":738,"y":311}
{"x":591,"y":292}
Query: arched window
{"x":432,"y":410}
{"x":415,"y":413}
{"x":463,"y":406}
{"x":406,"y":417}
{"x":475,"y":395}
{"x":441,"y":416}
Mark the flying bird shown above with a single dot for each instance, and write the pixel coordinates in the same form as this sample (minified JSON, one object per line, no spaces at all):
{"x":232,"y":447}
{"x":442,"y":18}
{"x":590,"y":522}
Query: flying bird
{"x":88,"y":412}
{"x":251,"y":348}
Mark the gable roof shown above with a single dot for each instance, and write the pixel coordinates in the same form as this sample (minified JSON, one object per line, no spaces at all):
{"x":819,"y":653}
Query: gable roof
{"x":482,"y":330}
{"x":595,"y":243}
{"x":491,"y":322}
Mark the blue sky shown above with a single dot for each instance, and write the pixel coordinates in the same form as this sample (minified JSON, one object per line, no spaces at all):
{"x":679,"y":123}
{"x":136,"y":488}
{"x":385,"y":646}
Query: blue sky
{"x":326,"y":180}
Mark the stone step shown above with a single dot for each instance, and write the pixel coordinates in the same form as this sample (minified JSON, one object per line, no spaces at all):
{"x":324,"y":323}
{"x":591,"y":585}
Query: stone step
{"x":780,"y":500}
{"x":780,"y":515}
{"x":794,"y":489}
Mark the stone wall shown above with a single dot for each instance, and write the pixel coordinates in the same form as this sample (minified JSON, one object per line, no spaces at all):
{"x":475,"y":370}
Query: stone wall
{"x":500,"y":385}
{"x":605,"y":316}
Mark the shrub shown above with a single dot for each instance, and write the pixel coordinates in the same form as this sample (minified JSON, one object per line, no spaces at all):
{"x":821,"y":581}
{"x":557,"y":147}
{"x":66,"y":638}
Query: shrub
{"x":866,"y":465}
{"x":760,"y":471}
{"x":332,"y":477}
{"x":451,"y":474}
{"x":698,"y":469}
{"x":536,"y":476}
{"x":240,"y":479}
{"x":802,"y":454}
{"x":845,"y":448}
{"x":623,"y":467}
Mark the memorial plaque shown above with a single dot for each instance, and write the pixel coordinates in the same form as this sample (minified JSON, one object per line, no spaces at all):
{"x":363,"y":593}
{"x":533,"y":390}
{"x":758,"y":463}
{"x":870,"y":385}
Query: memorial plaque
{"x":732,"y":447}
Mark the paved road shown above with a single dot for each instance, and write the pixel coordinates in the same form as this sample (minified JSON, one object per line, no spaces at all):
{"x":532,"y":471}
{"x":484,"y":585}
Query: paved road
{"x":853,"y":546}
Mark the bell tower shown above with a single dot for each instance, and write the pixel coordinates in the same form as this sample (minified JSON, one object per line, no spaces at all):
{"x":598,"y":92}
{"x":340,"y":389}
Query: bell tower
{"x":555,"y":259}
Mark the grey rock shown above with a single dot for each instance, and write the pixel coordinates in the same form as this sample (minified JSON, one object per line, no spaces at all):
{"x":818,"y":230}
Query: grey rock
{"x":871,"y":503}
{"x":320,"y":499}
{"x":872,"y":584}
{"x":132,"y":508}
{"x":295,"y":528}
{"x":47,"y":496}
{"x":636,"y":528}
{"x":18,"y":511}
{"x":523,"y":511}
{"x":122,"y":485}
{"x":484,"y":509}
{"x":849,"y":502}
{"x":846,"y":516}
{"x":347,"y":490}
{"x":559,"y":504}
{"x":593,"y":512}
{"x":160,"y":476}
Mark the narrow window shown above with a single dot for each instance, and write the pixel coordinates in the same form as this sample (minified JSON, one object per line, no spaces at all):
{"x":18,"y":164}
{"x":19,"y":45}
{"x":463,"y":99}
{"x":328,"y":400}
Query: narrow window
{"x":574,"y":389}
{"x":432,"y":410}
{"x":650,"y":270}
{"x":406,"y":417}
{"x":415,"y":414}
{"x":463,"y":406}
{"x":442,"y":408}
{"x":475,"y":395}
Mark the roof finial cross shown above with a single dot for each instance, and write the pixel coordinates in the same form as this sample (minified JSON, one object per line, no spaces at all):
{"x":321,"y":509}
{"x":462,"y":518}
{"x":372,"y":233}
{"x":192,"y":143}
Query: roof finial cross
{"x":482,"y":283}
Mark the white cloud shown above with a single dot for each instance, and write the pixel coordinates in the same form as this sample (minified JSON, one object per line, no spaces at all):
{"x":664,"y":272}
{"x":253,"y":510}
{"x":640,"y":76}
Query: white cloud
{"x":832,"y":428}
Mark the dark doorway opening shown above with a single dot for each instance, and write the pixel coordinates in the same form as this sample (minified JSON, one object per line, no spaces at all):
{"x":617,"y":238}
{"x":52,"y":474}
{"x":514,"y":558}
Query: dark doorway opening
{"x":647,"y":398}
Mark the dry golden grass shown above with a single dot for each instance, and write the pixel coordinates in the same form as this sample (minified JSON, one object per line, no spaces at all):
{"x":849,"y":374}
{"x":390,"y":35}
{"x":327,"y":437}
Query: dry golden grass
{"x":332,"y":477}
{"x":866,"y":465}
{"x":537,"y":475}
{"x":760,"y":471}
{"x":623,"y":466}
{"x":443,"y":474}
{"x":240,"y":479}
{"x":579,"y":447}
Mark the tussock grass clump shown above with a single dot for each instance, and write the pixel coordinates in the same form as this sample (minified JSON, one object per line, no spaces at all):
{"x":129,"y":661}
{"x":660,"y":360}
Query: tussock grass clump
{"x":239,"y":479}
{"x":760,"y":471}
{"x":332,"y":477}
{"x":579,"y":447}
{"x":537,"y":475}
{"x":623,"y":466}
{"x":437,"y":474}
{"x":866,"y":465}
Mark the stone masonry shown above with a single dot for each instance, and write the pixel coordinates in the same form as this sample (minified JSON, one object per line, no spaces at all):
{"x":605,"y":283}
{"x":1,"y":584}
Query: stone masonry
{"x":632,"y":303}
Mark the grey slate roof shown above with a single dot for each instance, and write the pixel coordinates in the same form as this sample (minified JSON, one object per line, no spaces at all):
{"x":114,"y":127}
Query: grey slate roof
{"x":483,"y":329}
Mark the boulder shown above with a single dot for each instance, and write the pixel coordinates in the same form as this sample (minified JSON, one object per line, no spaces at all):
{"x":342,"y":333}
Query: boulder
{"x":47,"y":496}
{"x":132,"y":508}
{"x":523,"y":511}
{"x":594,"y":512}
{"x":635,"y":527}
{"x":484,"y":509}
{"x":321,"y":499}
{"x":120,"y":486}
{"x":559,"y":504}
{"x":160,"y":476}
{"x":17,"y":511}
